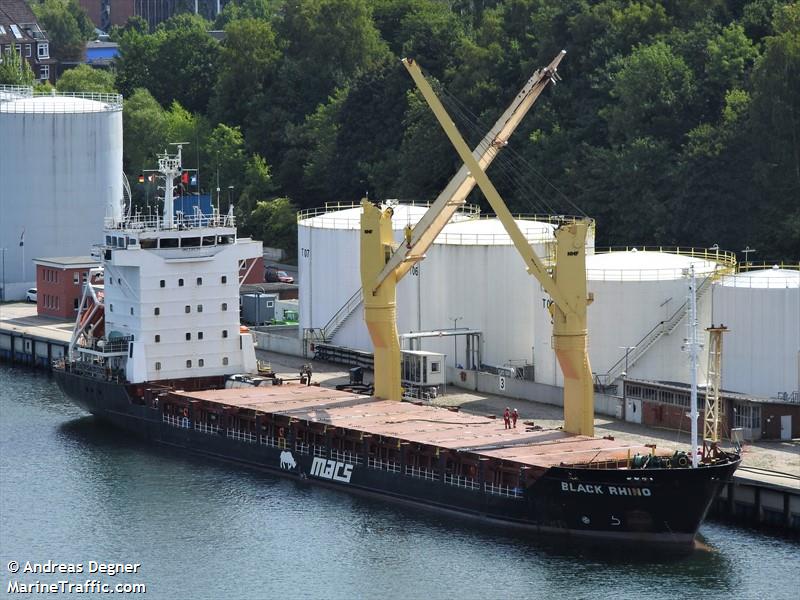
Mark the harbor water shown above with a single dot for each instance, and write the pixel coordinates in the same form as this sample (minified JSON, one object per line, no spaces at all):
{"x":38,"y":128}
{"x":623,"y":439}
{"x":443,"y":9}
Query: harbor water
{"x":73,"y":490}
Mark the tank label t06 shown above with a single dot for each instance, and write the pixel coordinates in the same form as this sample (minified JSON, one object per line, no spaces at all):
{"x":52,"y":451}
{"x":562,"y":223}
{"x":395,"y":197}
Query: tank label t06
{"x":331,"y":469}
{"x":610,"y":490}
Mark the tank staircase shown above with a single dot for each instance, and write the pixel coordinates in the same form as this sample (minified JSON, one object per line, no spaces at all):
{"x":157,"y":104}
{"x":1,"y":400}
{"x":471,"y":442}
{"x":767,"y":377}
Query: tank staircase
{"x":661,"y":329}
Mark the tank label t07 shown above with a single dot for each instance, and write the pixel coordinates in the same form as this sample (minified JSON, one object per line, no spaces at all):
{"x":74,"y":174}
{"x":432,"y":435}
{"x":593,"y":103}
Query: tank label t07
{"x":331,"y":469}
{"x":604,"y":490}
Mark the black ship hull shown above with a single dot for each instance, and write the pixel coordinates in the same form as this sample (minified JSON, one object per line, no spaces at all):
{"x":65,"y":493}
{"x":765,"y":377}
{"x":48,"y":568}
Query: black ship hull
{"x":656,"y":507}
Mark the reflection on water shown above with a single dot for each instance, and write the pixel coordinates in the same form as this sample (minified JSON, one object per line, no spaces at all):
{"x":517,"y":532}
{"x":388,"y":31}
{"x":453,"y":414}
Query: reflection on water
{"x":72,"y":489}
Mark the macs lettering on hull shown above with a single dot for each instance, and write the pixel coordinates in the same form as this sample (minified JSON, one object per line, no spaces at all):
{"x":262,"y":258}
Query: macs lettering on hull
{"x":604,"y":490}
{"x":331,"y":469}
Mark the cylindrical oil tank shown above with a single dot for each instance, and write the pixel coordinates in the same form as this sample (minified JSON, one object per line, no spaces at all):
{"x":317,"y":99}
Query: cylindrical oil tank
{"x":61,"y":174}
{"x":639,"y":303}
{"x":472,"y":277}
{"x":761,"y":350}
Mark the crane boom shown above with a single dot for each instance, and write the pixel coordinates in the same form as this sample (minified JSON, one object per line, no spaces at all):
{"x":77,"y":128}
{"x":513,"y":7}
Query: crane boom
{"x":566,"y":287}
{"x":455,"y":193}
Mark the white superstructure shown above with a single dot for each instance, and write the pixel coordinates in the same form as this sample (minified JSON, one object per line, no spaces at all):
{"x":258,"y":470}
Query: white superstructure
{"x":761,"y":308}
{"x":60,"y":175}
{"x":171,"y":287}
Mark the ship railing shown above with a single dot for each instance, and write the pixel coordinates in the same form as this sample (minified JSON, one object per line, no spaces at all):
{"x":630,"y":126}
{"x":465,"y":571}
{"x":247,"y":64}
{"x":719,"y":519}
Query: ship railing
{"x":460,"y":481}
{"x":301,"y":447}
{"x":502,"y":490}
{"x":275,"y":442}
{"x":157,"y":223}
{"x":320,"y":451}
{"x":206,"y":428}
{"x":384,"y":465}
{"x":347,"y":457}
{"x":177,"y":421}
{"x":240,"y":436}
{"x":422,"y":473}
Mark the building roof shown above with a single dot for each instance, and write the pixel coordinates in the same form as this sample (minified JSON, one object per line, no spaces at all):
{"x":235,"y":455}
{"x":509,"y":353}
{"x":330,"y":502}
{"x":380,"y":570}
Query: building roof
{"x":17,"y":13}
{"x":68,"y":262}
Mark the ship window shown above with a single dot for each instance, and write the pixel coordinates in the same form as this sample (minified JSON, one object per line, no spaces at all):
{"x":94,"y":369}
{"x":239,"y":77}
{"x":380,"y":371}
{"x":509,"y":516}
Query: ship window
{"x":180,"y":282}
{"x":119,"y":281}
{"x":187,"y":309}
{"x":189,"y":364}
{"x":108,"y":240}
{"x":224,"y":306}
{"x":200,"y":362}
{"x":162,"y":283}
{"x":225,"y":360}
{"x":111,"y":307}
{"x":156,"y":311}
{"x":158,"y":339}
{"x":158,"y":366}
{"x":110,"y":281}
{"x":199,"y":281}
{"x":191,"y":242}
{"x":188,"y":336}
{"x":147,"y":244}
{"x":224,"y":333}
{"x":199,"y":308}
{"x":131,"y":311}
{"x":224,"y":279}
{"x":208,"y":240}
{"x":199,"y":335}
{"x":169,"y":242}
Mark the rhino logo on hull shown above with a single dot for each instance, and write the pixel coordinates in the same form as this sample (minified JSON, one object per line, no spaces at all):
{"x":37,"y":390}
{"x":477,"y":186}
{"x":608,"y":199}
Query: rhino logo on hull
{"x":287,"y":460}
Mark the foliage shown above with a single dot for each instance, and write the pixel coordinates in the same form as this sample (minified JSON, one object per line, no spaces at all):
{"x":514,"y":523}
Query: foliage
{"x":67,"y":25}
{"x":84,"y":78}
{"x":676,"y":121}
{"x":15,"y":70}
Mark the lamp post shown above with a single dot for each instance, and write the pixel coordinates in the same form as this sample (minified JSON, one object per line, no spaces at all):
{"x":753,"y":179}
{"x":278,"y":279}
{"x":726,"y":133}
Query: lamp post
{"x":455,"y":341}
{"x":624,"y":378}
{"x":230,"y":191}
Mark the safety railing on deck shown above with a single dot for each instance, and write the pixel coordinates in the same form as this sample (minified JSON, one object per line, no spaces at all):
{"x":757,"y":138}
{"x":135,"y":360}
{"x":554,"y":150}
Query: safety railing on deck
{"x":384,"y":465}
{"x":301,"y":447}
{"x":502,"y":490}
{"x":274,"y":442}
{"x":180,"y":223}
{"x":422,"y":473}
{"x":240,"y":436}
{"x":463,"y":482}
{"x":320,"y":451}
{"x":177,"y":421}
{"x":347,"y":457}
{"x":206,"y":428}
{"x":56,"y":102}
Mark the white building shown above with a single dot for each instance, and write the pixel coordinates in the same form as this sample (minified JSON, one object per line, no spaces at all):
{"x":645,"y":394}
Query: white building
{"x":61,"y":172}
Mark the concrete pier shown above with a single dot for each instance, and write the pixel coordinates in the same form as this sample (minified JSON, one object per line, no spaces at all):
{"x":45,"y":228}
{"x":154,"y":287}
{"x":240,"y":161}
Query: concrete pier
{"x":762,"y":498}
{"x":27,"y":339}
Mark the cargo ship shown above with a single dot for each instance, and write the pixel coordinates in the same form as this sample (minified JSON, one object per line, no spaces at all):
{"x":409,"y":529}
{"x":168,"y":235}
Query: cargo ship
{"x":158,"y":350}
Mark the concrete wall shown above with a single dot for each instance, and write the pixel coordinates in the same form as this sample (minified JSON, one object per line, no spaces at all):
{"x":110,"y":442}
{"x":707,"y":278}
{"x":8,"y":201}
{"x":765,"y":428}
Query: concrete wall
{"x":275,"y":342}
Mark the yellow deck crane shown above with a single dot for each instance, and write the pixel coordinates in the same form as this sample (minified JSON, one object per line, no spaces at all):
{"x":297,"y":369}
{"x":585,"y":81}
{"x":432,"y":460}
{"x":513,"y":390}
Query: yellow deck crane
{"x":383,"y":263}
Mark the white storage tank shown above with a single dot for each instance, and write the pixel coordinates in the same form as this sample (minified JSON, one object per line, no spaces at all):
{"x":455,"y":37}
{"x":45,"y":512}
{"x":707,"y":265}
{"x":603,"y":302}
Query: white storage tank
{"x":761,"y":351}
{"x":639,"y":301}
{"x":61,"y":174}
{"x":472,"y":278}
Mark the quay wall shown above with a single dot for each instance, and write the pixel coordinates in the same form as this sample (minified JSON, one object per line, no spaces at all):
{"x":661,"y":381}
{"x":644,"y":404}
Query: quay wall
{"x":19,"y":348}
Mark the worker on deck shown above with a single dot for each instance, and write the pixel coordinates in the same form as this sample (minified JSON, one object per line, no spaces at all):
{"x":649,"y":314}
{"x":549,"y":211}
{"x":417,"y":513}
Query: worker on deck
{"x":514,"y":417}
{"x":507,"y":418}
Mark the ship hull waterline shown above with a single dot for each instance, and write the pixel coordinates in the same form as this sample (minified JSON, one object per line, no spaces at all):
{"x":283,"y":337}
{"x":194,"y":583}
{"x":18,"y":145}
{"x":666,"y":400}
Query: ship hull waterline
{"x":660,"y":508}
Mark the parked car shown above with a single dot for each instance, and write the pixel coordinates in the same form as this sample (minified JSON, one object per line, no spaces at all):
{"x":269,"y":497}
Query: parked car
{"x":30,"y":295}
{"x":273,"y":275}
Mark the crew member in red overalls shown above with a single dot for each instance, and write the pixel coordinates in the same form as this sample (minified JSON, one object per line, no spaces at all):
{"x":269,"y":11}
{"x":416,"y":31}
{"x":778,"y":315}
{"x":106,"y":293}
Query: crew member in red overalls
{"x":514,"y":417}
{"x":507,"y":418}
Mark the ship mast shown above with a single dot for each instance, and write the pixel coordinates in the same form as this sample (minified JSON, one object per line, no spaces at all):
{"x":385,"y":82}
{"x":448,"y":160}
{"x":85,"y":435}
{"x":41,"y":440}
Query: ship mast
{"x":692,"y":346}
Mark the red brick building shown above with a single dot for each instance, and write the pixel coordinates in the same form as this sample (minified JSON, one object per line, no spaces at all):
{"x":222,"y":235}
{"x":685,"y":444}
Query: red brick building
{"x":20,"y":30}
{"x":59,"y":284}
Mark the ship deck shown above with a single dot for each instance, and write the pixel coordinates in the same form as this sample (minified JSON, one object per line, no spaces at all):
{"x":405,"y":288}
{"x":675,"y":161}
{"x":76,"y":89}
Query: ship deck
{"x":435,"y":426}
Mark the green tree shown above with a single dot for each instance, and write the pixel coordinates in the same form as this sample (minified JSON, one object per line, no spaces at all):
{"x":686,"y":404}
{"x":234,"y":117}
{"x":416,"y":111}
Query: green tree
{"x":228,"y":161}
{"x":274,"y":222}
{"x":84,"y":78}
{"x":144,"y":131}
{"x":247,"y":64}
{"x":651,"y":88}
{"x":68,"y":28}
{"x":15,"y":70}
{"x":137,"y":53}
